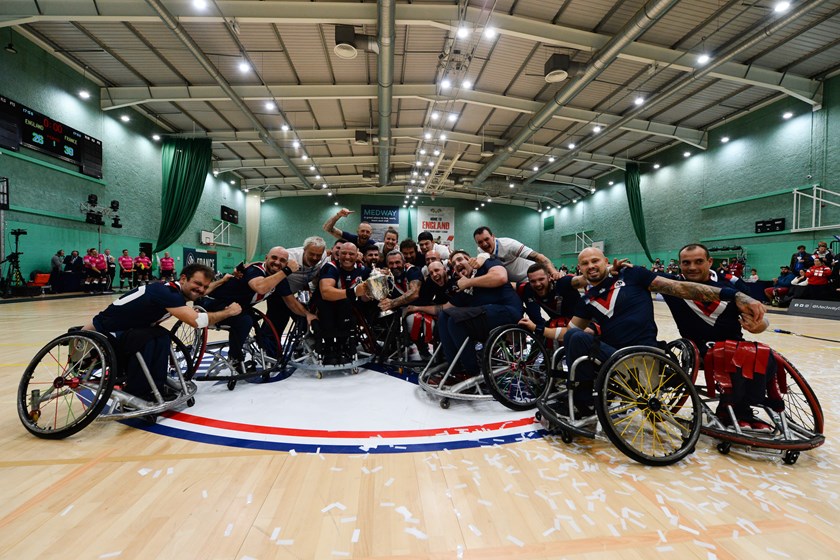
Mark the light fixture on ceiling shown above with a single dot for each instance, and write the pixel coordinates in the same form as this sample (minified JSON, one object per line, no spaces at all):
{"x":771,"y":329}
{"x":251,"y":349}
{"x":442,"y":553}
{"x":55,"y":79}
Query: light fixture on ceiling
{"x":244,"y":67}
{"x":703,"y":58}
{"x":435,"y":115}
{"x":655,"y":166}
{"x":270,"y":106}
{"x":10,"y":48}
{"x":463,"y":32}
{"x":639,"y":100}
{"x":725,"y":139}
{"x":597,"y":128}
{"x":296,"y":144}
{"x":348,"y":42}
{"x":361,"y":138}
{"x":686,"y":154}
{"x":436,"y":152}
{"x":445,"y":84}
{"x":536,"y":168}
{"x":787,"y":115}
{"x":155,"y":137}
{"x":611,"y":183}
{"x":125,"y":118}
{"x":551,"y":159}
{"x":488,"y":149}
{"x":489,"y":32}
{"x":466,"y":84}
{"x":571,"y":145}
{"x":284,"y":128}
{"x":781,"y":7}
{"x":452,"y":117}
{"x":200,"y":4}
{"x":559,"y":67}
{"x":84,"y":94}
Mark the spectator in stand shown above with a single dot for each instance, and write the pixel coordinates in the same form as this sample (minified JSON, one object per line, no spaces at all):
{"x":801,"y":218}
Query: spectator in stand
{"x":673,"y":268}
{"x":818,"y":276}
{"x":55,"y":269}
{"x":781,"y":285}
{"x":800,"y":260}
{"x":112,"y":270}
{"x":723,"y":269}
{"x":835,"y":278}
{"x":736,"y":268}
{"x":823,"y":254}
{"x":142,"y":269}
{"x":126,"y":269}
{"x":798,"y":289}
{"x":753,"y":277}
{"x":657,"y":266}
{"x":166,"y":266}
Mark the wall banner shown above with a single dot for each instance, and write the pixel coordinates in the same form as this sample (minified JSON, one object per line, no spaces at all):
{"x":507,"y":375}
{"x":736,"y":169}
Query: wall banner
{"x":193,"y":256}
{"x":439,"y":221}
{"x":380,"y":219}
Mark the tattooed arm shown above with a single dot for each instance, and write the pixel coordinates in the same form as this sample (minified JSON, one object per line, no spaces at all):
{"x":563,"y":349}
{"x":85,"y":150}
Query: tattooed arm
{"x":753,"y":309}
{"x":410,"y":295}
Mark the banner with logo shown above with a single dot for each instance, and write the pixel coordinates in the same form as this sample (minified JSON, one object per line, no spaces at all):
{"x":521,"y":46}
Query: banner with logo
{"x":380,"y":219}
{"x":193,"y":256}
{"x":439,"y":221}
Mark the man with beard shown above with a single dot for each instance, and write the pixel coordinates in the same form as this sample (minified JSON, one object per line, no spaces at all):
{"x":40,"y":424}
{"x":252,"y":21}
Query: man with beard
{"x":407,"y":282}
{"x":623,"y":309}
{"x":513,"y":255}
{"x":558,"y":298}
{"x":257,"y":283}
{"x":484,"y":300}
{"x":362,"y":236}
{"x":409,"y":250}
{"x":421,"y":316}
{"x":130,"y":320}
{"x":373,"y":258}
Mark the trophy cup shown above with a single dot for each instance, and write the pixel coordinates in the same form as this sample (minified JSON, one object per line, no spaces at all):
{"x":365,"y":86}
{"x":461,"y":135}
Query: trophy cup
{"x":379,"y":286}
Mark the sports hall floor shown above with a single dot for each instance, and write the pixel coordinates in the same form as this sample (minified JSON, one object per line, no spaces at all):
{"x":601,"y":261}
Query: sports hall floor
{"x":117,"y":491}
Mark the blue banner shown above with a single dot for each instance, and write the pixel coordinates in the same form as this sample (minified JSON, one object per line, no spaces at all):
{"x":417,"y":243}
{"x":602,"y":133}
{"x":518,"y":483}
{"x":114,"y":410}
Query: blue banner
{"x":381,"y":218}
{"x":193,"y":256}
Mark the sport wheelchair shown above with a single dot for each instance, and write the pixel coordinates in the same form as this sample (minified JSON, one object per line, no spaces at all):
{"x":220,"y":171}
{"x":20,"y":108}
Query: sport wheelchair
{"x":514,"y":371}
{"x":77,"y":378}
{"x":261,"y":349}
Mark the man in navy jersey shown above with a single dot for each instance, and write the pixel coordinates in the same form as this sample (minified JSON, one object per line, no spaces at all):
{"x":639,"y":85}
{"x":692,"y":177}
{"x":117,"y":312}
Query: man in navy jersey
{"x":407,"y":282}
{"x":146,"y":306}
{"x":558,"y":298}
{"x":484,"y":300}
{"x":422,"y":315}
{"x":362,"y":236}
{"x":623,"y":308}
{"x":259,"y":282}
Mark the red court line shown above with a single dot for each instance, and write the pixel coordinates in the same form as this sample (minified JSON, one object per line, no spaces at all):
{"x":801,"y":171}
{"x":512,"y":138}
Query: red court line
{"x":298,"y":432}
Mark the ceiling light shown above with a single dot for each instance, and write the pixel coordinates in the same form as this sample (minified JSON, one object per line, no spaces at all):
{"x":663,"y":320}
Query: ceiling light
{"x":84,"y":94}
{"x":304,"y":157}
{"x":466,"y":84}
{"x":296,"y":144}
{"x":597,"y":128}
{"x":550,"y":159}
{"x":571,"y":145}
{"x":311,"y":168}
{"x":233,"y":182}
{"x":611,"y":183}
{"x":428,"y":136}
{"x":323,"y":185}
{"x":246,"y":189}
{"x":244,"y":67}
{"x":431,"y":164}
{"x":476,"y":208}
{"x":686,"y":154}
{"x":414,"y":173}
{"x":446,"y":84}
{"x":125,"y":118}
{"x":489,"y":32}
{"x":787,"y":115}
{"x":317,"y":176}
{"x":639,"y":100}
{"x":575,"y":200}
{"x":512,"y":185}
{"x":200,"y":4}
{"x":262,"y":199}
{"x":425,"y":174}
{"x":452,"y":117}
{"x":269,"y":105}
{"x":725,"y":139}
{"x":482,"y":205}
{"x":10,"y":48}
{"x":329,"y":193}
{"x":412,"y":182}
{"x":423,"y":151}
{"x":435,"y":116}
{"x":655,"y":166}
{"x":781,"y":7}
{"x":215,"y":173}
{"x":463,"y":32}
{"x":443,"y":137}
{"x":489,"y":199}
{"x":536,"y":168}
{"x":418,"y":162}
{"x":703,"y":58}
{"x":335,"y":203}
{"x":422,"y":182}
{"x":155,"y":137}
{"x":285,"y":128}
{"x":410,"y":190}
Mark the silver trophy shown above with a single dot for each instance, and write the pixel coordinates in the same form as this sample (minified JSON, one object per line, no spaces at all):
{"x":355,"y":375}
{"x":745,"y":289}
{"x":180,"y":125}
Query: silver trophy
{"x":379,"y":287}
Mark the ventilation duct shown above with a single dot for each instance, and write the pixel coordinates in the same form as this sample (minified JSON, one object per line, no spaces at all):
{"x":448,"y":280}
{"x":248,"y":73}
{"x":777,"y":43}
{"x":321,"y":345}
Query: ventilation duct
{"x":559,"y":67}
{"x":348,"y":42}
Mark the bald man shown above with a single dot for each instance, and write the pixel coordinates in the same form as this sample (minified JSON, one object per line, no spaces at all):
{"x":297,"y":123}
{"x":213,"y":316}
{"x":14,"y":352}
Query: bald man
{"x":362,"y":237}
{"x":259,"y":281}
{"x":622,"y":306}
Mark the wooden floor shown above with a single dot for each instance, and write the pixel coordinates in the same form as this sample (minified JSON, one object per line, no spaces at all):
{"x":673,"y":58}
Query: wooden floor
{"x":113,"y":491}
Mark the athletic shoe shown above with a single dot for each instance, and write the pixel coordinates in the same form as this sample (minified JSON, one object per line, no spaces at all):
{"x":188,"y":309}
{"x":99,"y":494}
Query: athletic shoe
{"x":760,"y":425}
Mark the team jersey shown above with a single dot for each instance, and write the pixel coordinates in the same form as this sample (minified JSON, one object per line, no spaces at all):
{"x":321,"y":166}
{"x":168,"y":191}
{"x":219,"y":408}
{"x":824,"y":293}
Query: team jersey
{"x":344,"y":278}
{"x":99,"y":262}
{"x":353,"y":238}
{"x":514,"y":257}
{"x":623,"y":308}
{"x":432,"y":294}
{"x":237,"y":289}
{"x":560,"y":301}
{"x":126,"y":263}
{"x":89,"y":261}
{"x":403,"y":281}
{"x":502,"y":295}
{"x":144,"y":306}
{"x":167,"y":264}
{"x":145,"y":261}
{"x":818,"y":275}
{"x":703,"y":322}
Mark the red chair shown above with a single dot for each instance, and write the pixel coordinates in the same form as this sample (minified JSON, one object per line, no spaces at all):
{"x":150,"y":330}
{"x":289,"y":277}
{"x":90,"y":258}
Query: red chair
{"x":41,"y":281}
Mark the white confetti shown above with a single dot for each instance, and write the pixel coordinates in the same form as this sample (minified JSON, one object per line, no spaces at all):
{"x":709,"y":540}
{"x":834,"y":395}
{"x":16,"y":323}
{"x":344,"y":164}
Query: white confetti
{"x":229,"y":529}
{"x":688,"y":529}
{"x":778,"y":552}
{"x":157,"y":473}
{"x":664,"y":548}
{"x":613,"y":530}
{"x":274,"y":534}
{"x":204,"y":494}
{"x":340,"y":553}
{"x":515,"y":541}
{"x":170,"y":470}
{"x":66,"y":510}
{"x":548,"y":531}
{"x":389,"y":482}
{"x":334,"y":505}
{"x":485,"y":503}
{"x":249,"y":499}
{"x":475,"y":530}
{"x":355,"y":537}
{"x":111,"y":554}
{"x":286,"y":542}
{"x":416,"y":532}
{"x":702,"y":544}
{"x":348,"y":519}
{"x":144,"y":472}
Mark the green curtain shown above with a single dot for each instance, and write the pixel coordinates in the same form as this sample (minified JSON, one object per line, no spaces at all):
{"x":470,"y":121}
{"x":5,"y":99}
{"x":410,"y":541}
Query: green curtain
{"x":185,"y":163}
{"x":632,"y":182}
{"x":410,"y":234}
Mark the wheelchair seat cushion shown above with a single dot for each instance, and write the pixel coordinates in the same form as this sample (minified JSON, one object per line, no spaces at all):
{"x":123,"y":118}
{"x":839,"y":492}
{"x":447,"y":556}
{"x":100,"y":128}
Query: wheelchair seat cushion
{"x":745,"y":373}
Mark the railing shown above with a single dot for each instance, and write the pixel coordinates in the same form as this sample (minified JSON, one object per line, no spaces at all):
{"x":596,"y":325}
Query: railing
{"x":808,"y":208}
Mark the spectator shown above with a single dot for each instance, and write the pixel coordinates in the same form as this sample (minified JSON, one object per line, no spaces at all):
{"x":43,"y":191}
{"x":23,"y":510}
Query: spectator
{"x":723,"y":269}
{"x":800,"y":260}
{"x":753,"y":277}
{"x":835,"y":278}
{"x":798,"y":289}
{"x":111,"y":263}
{"x":818,"y":275}
{"x":781,"y":285}
{"x":823,"y":253}
{"x":166,"y":266}
{"x":74,"y":263}
{"x":657,"y":266}
{"x":736,"y":268}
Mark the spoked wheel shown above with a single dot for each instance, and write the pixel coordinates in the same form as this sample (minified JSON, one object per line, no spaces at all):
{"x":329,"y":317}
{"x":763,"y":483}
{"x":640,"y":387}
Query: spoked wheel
{"x":648,"y":407}
{"x":194,"y":338}
{"x":802,"y":408}
{"x":180,"y":359}
{"x":263,"y":345}
{"x":515,"y":367}
{"x":66,"y":385}
{"x":687,"y":356}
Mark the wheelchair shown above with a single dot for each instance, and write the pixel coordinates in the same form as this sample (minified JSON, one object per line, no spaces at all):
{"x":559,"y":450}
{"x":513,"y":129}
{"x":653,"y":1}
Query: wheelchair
{"x":794,"y":425}
{"x":304,"y":350}
{"x":261,"y":349}
{"x":77,"y":378}
{"x":644,"y":403}
{"x":514,"y":371}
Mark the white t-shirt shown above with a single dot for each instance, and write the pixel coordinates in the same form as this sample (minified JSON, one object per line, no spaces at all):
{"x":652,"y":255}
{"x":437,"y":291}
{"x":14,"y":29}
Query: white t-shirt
{"x":514,"y":256}
{"x":300,"y":279}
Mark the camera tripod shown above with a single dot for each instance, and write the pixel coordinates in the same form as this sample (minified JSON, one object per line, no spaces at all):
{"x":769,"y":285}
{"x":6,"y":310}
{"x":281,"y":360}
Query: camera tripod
{"x":14,"y":277}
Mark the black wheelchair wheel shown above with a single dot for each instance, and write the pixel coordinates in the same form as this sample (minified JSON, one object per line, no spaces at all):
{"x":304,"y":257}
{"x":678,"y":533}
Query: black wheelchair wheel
{"x":515,"y":367}
{"x":67,"y":384}
{"x":802,"y":408}
{"x":648,"y":406}
{"x":687,"y":356}
{"x":181,"y":358}
{"x":195,"y":339}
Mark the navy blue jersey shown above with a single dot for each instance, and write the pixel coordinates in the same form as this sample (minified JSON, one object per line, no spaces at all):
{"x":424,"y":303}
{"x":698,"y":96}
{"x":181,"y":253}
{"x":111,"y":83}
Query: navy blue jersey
{"x":401,"y":283}
{"x":502,"y":295}
{"x":144,"y":306}
{"x":703,"y":322}
{"x":353,"y":238}
{"x":344,"y":278}
{"x":237,"y":289}
{"x":623,"y":307}
{"x":561,"y":300}
{"x":432,"y":294}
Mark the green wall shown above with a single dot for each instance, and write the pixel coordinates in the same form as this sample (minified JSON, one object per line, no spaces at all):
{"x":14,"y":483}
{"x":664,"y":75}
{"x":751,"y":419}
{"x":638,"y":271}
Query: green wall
{"x":765,"y":155}
{"x":288,"y":221}
{"x":45,"y":193}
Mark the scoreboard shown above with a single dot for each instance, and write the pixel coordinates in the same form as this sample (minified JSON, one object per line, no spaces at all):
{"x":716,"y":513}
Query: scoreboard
{"x":22,"y":126}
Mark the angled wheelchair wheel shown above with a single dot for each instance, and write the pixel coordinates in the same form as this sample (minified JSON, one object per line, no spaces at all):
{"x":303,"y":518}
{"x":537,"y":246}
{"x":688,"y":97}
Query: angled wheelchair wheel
{"x":181,"y":361}
{"x":515,"y":367}
{"x":263,"y":346}
{"x":648,"y":406}
{"x":66,"y":384}
{"x":193,"y":338}
{"x":687,"y":356}
{"x":802,"y":409}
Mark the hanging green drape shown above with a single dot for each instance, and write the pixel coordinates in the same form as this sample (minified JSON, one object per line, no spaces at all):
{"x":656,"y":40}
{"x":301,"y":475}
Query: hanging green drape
{"x":185,"y":163}
{"x":632,"y":182}
{"x":410,"y":234}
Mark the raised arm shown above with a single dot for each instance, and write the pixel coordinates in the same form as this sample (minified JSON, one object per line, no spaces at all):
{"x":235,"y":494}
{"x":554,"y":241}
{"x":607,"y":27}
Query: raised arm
{"x":193,"y":318}
{"x":265,"y":284}
{"x":546,"y":262}
{"x":329,"y":225}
